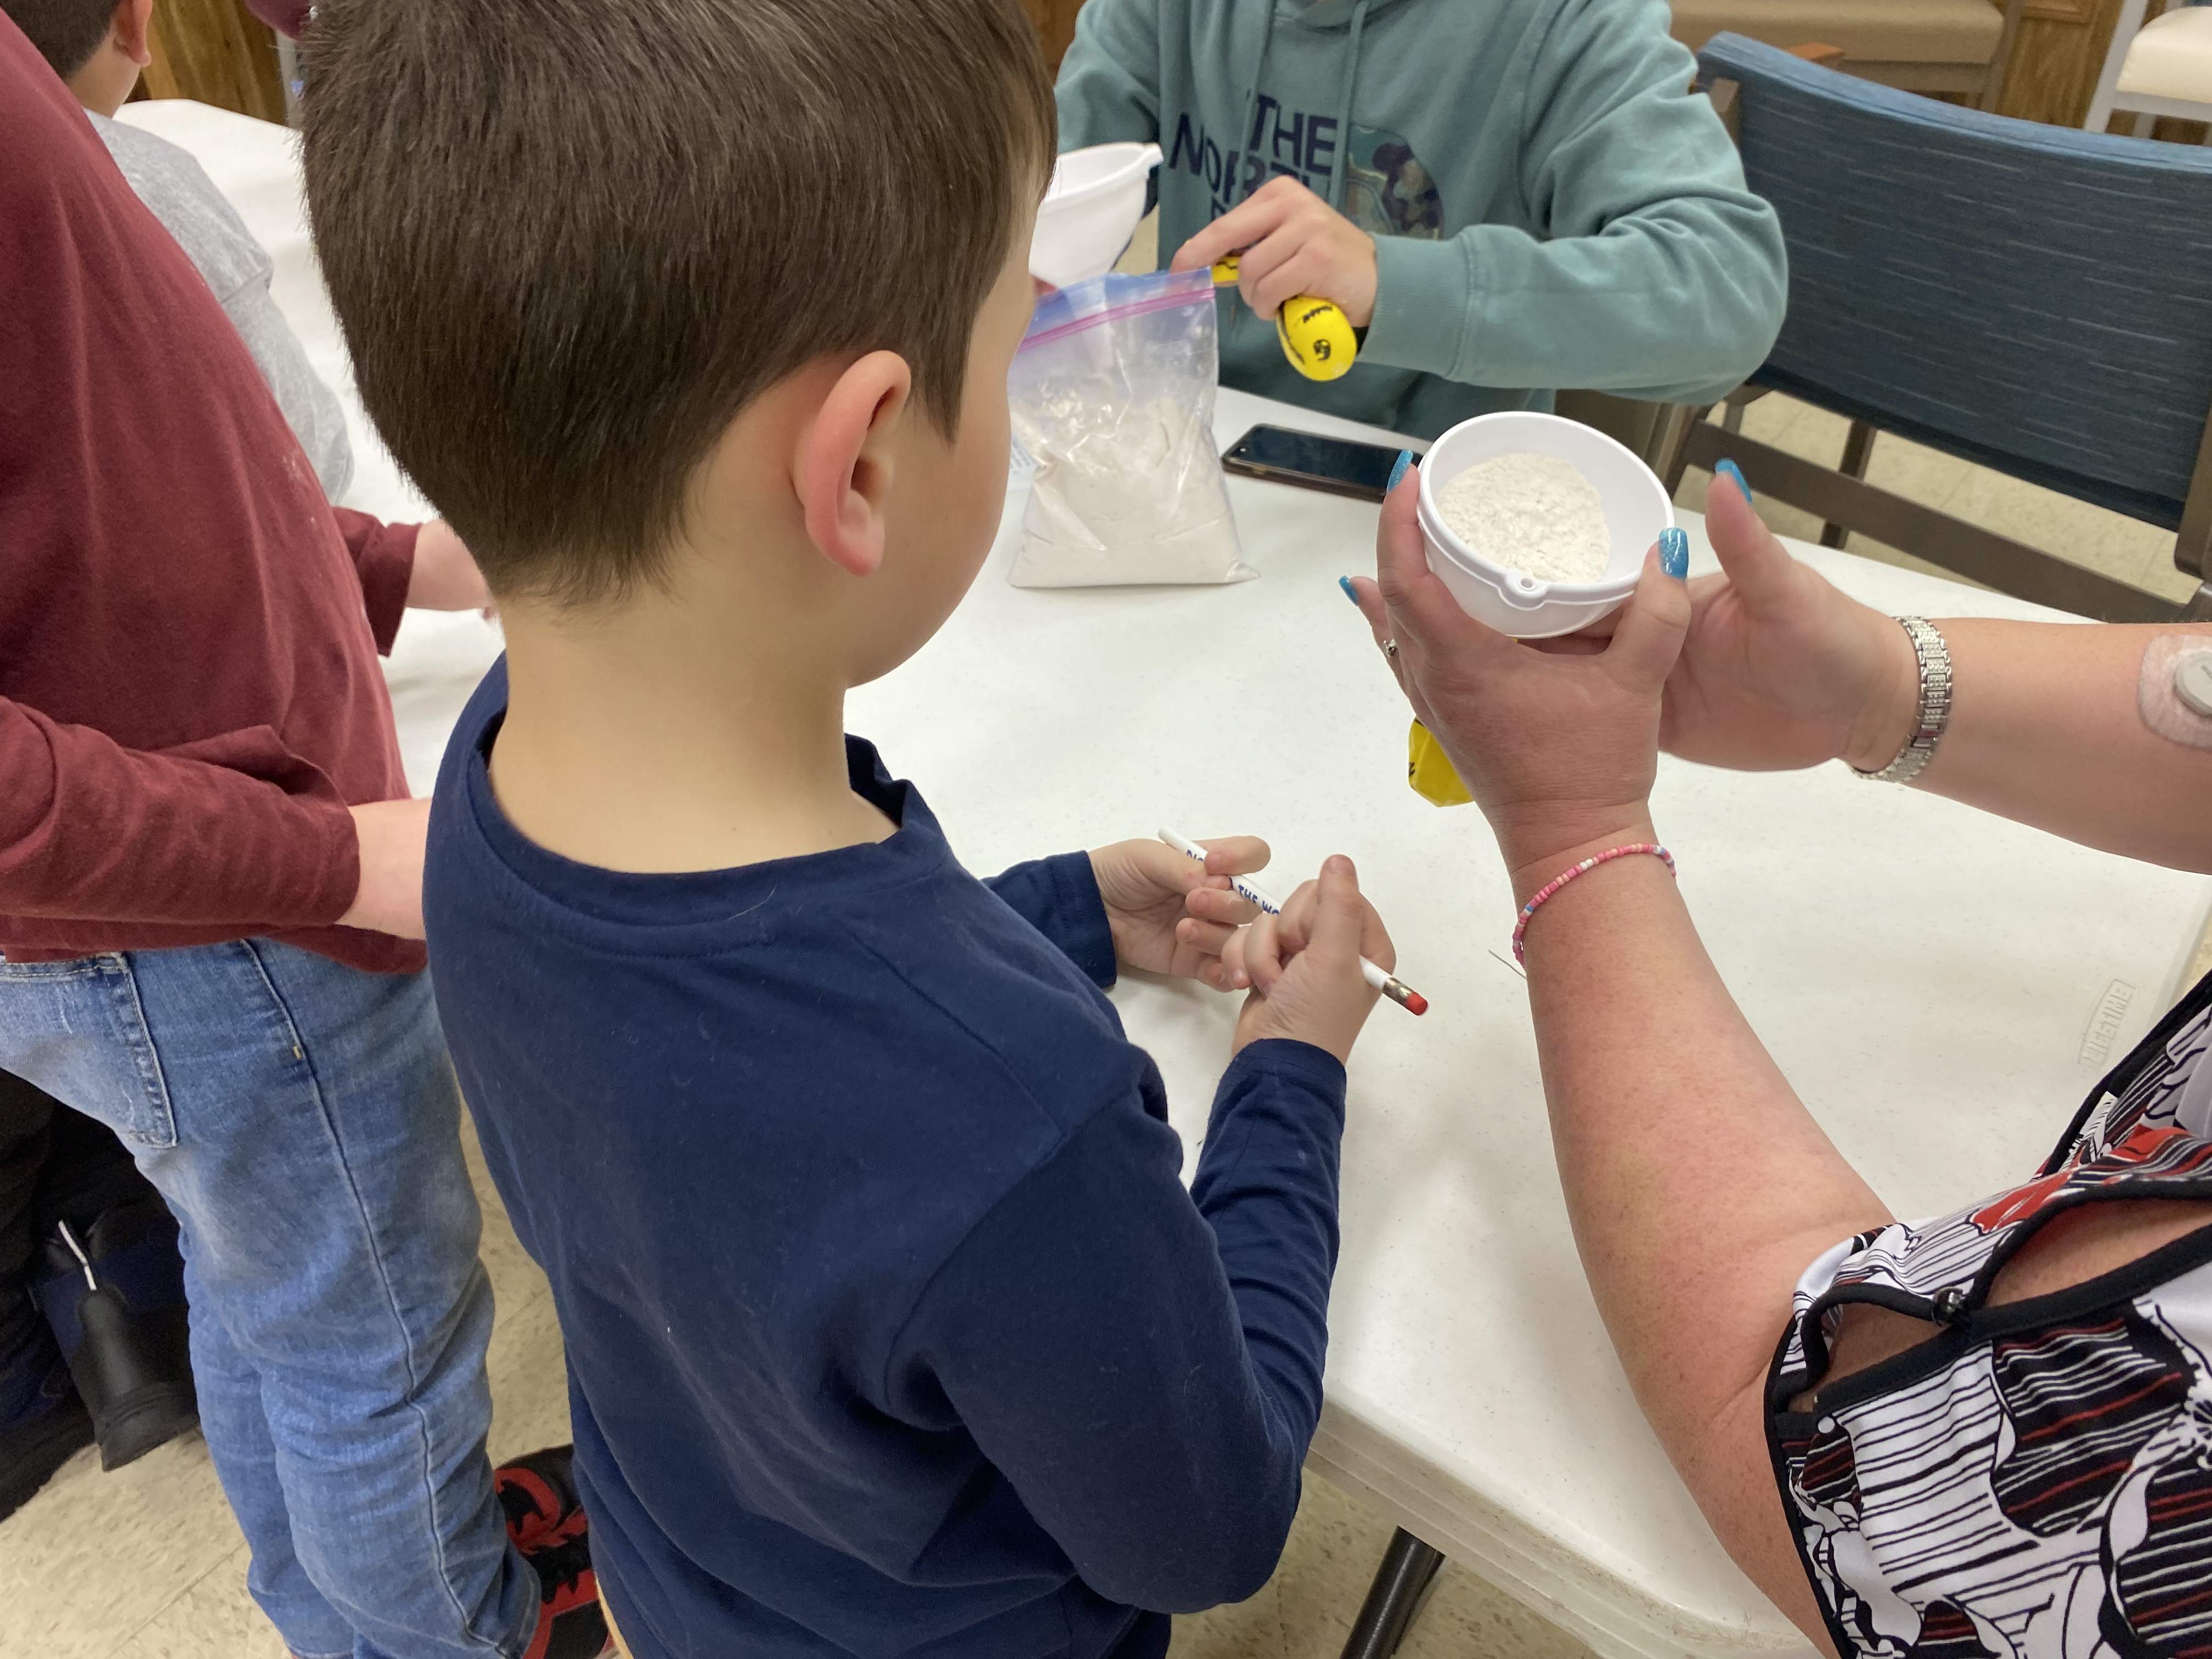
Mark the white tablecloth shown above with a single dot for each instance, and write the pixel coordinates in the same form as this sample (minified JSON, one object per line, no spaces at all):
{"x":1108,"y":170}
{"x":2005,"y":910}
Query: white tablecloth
{"x":1941,"y":986}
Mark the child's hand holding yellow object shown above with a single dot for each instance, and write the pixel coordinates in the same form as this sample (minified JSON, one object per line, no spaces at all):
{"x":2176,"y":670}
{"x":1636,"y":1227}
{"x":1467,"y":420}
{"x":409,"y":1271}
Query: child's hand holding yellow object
{"x":1299,"y":249}
{"x":1316,"y":336}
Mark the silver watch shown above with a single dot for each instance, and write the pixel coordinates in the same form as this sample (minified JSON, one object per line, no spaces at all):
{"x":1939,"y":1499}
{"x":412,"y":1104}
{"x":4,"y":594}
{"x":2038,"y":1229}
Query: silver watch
{"x":1935,"y":704}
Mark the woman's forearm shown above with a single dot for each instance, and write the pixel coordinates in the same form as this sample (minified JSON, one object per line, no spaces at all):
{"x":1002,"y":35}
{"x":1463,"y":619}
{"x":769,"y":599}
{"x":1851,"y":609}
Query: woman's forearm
{"x":2047,"y":728}
{"x":1699,"y":1185}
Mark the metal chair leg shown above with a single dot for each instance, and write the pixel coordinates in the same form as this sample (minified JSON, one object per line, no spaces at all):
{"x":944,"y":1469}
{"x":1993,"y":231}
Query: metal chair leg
{"x":1858,"y":449}
{"x":1993,"y":78}
{"x":1408,"y":1567}
{"x":1669,"y":438}
{"x":1736,"y":402}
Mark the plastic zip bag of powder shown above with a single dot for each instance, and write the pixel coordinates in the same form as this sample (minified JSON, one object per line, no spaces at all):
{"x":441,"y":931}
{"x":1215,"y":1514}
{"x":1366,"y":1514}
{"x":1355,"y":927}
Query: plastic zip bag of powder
{"x":1112,"y":397}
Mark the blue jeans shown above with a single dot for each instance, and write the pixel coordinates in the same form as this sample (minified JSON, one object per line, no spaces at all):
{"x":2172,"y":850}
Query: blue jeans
{"x":301,"y":1119}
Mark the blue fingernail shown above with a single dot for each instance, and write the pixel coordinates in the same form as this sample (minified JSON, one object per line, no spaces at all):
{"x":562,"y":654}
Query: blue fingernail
{"x":1350,"y":591}
{"x":1398,"y":472}
{"x":1674,"y":552}
{"x":1734,"y":476}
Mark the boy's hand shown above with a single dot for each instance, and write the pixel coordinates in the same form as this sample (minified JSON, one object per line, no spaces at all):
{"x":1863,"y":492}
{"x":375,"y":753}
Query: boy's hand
{"x":1294,"y":243}
{"x":1167,"y":915}
{"x":1303,"y":965}
{"x":389,"y":900}
{"x":446,"y":577}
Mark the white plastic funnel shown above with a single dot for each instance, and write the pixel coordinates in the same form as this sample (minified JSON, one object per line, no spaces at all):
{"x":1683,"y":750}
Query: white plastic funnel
{"x":1512,"y":601}
{"x":1093,"y":203}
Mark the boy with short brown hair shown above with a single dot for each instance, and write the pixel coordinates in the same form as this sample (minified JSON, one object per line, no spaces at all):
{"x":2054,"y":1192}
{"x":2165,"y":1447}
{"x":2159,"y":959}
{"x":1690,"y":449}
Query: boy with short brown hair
{"x":891,"y":1330}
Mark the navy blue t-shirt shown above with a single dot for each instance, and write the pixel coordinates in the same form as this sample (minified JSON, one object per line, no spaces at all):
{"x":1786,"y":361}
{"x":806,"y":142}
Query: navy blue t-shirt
{"x":891,"y":1330}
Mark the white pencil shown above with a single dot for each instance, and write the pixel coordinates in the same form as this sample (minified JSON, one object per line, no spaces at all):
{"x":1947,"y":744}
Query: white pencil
{"x":1381,"y":978}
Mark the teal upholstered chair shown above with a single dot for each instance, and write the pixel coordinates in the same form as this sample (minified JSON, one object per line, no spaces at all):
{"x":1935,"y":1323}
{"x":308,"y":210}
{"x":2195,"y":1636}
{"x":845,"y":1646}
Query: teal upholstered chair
{"x":2035,"y":299}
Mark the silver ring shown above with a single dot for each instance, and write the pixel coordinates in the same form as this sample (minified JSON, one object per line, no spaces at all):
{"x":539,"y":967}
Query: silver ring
{"x":1390,"y":649}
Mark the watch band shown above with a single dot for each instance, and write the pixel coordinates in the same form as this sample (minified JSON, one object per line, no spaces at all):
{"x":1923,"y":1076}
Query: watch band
{"x":1935,"y":704}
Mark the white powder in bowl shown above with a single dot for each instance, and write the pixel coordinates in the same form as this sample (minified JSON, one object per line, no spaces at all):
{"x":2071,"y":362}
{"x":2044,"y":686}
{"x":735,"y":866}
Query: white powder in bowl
{"x":1534,"y":513}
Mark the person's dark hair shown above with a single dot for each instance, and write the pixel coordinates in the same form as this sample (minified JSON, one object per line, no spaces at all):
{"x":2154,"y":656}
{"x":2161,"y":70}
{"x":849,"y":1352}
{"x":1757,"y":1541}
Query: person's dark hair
{"x":65,"y":32}
{"x":569,"y":240}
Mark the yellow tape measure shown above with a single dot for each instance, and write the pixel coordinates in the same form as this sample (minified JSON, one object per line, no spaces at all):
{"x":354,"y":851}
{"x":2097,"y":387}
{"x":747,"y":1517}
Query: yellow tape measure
{"x":1430,"y":772}
{"x":1316,"y":336}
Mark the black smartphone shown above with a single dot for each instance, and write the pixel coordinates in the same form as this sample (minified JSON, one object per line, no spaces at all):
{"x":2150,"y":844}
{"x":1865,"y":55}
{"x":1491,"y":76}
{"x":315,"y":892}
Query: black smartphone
{"x":1305,"y":458}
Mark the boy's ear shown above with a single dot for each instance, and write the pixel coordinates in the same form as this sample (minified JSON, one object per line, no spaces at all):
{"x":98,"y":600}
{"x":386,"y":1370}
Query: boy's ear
{"x":844,"y":472}
{"x":131,"y":30}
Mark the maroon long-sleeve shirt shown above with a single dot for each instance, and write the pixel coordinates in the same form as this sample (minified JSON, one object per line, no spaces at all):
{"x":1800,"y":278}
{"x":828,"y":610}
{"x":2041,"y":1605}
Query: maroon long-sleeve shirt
{"x":289,"y":16}
{"x":189,"y":693}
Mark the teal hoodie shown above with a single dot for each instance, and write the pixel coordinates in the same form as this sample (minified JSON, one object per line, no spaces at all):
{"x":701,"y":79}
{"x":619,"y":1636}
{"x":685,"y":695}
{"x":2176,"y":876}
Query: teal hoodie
{"x":1551,"y":205}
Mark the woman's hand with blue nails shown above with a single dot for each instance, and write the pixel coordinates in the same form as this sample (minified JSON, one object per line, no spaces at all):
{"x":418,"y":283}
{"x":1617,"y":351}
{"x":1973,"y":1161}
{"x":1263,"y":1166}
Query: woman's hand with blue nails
{"x":1729,"y":470}
{"x":1556,"y":740}
{"x":1780,"y":668}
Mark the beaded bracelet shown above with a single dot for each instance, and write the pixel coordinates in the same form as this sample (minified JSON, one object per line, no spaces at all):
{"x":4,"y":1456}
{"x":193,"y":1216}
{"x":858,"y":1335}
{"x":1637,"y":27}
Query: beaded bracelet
{"x":1521,"y":927}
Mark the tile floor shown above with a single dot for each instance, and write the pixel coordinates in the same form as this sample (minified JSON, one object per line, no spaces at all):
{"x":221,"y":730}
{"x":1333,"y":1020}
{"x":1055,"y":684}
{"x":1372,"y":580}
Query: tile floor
{"x":146,"y":1564}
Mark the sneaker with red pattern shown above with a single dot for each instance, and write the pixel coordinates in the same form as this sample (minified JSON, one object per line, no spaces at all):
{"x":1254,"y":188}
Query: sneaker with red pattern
{"x":546,"y":1520}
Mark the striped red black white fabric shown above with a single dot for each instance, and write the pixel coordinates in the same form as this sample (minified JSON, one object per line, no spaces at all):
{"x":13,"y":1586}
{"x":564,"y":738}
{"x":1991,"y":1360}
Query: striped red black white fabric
{"x":2035,"y":1480}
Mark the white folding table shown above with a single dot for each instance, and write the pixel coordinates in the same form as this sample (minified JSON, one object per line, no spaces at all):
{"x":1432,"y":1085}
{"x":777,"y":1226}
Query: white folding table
{"x":1941,"y":986}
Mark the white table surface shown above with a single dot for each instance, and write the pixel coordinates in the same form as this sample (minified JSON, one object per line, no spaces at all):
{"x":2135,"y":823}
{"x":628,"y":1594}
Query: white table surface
{"x":1930,"y":978}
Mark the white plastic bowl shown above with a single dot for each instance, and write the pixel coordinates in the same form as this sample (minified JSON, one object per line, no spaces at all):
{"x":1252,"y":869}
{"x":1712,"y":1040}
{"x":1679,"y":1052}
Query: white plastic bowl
{"x":1093,"y":203}
{"x":1635,"y":510}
